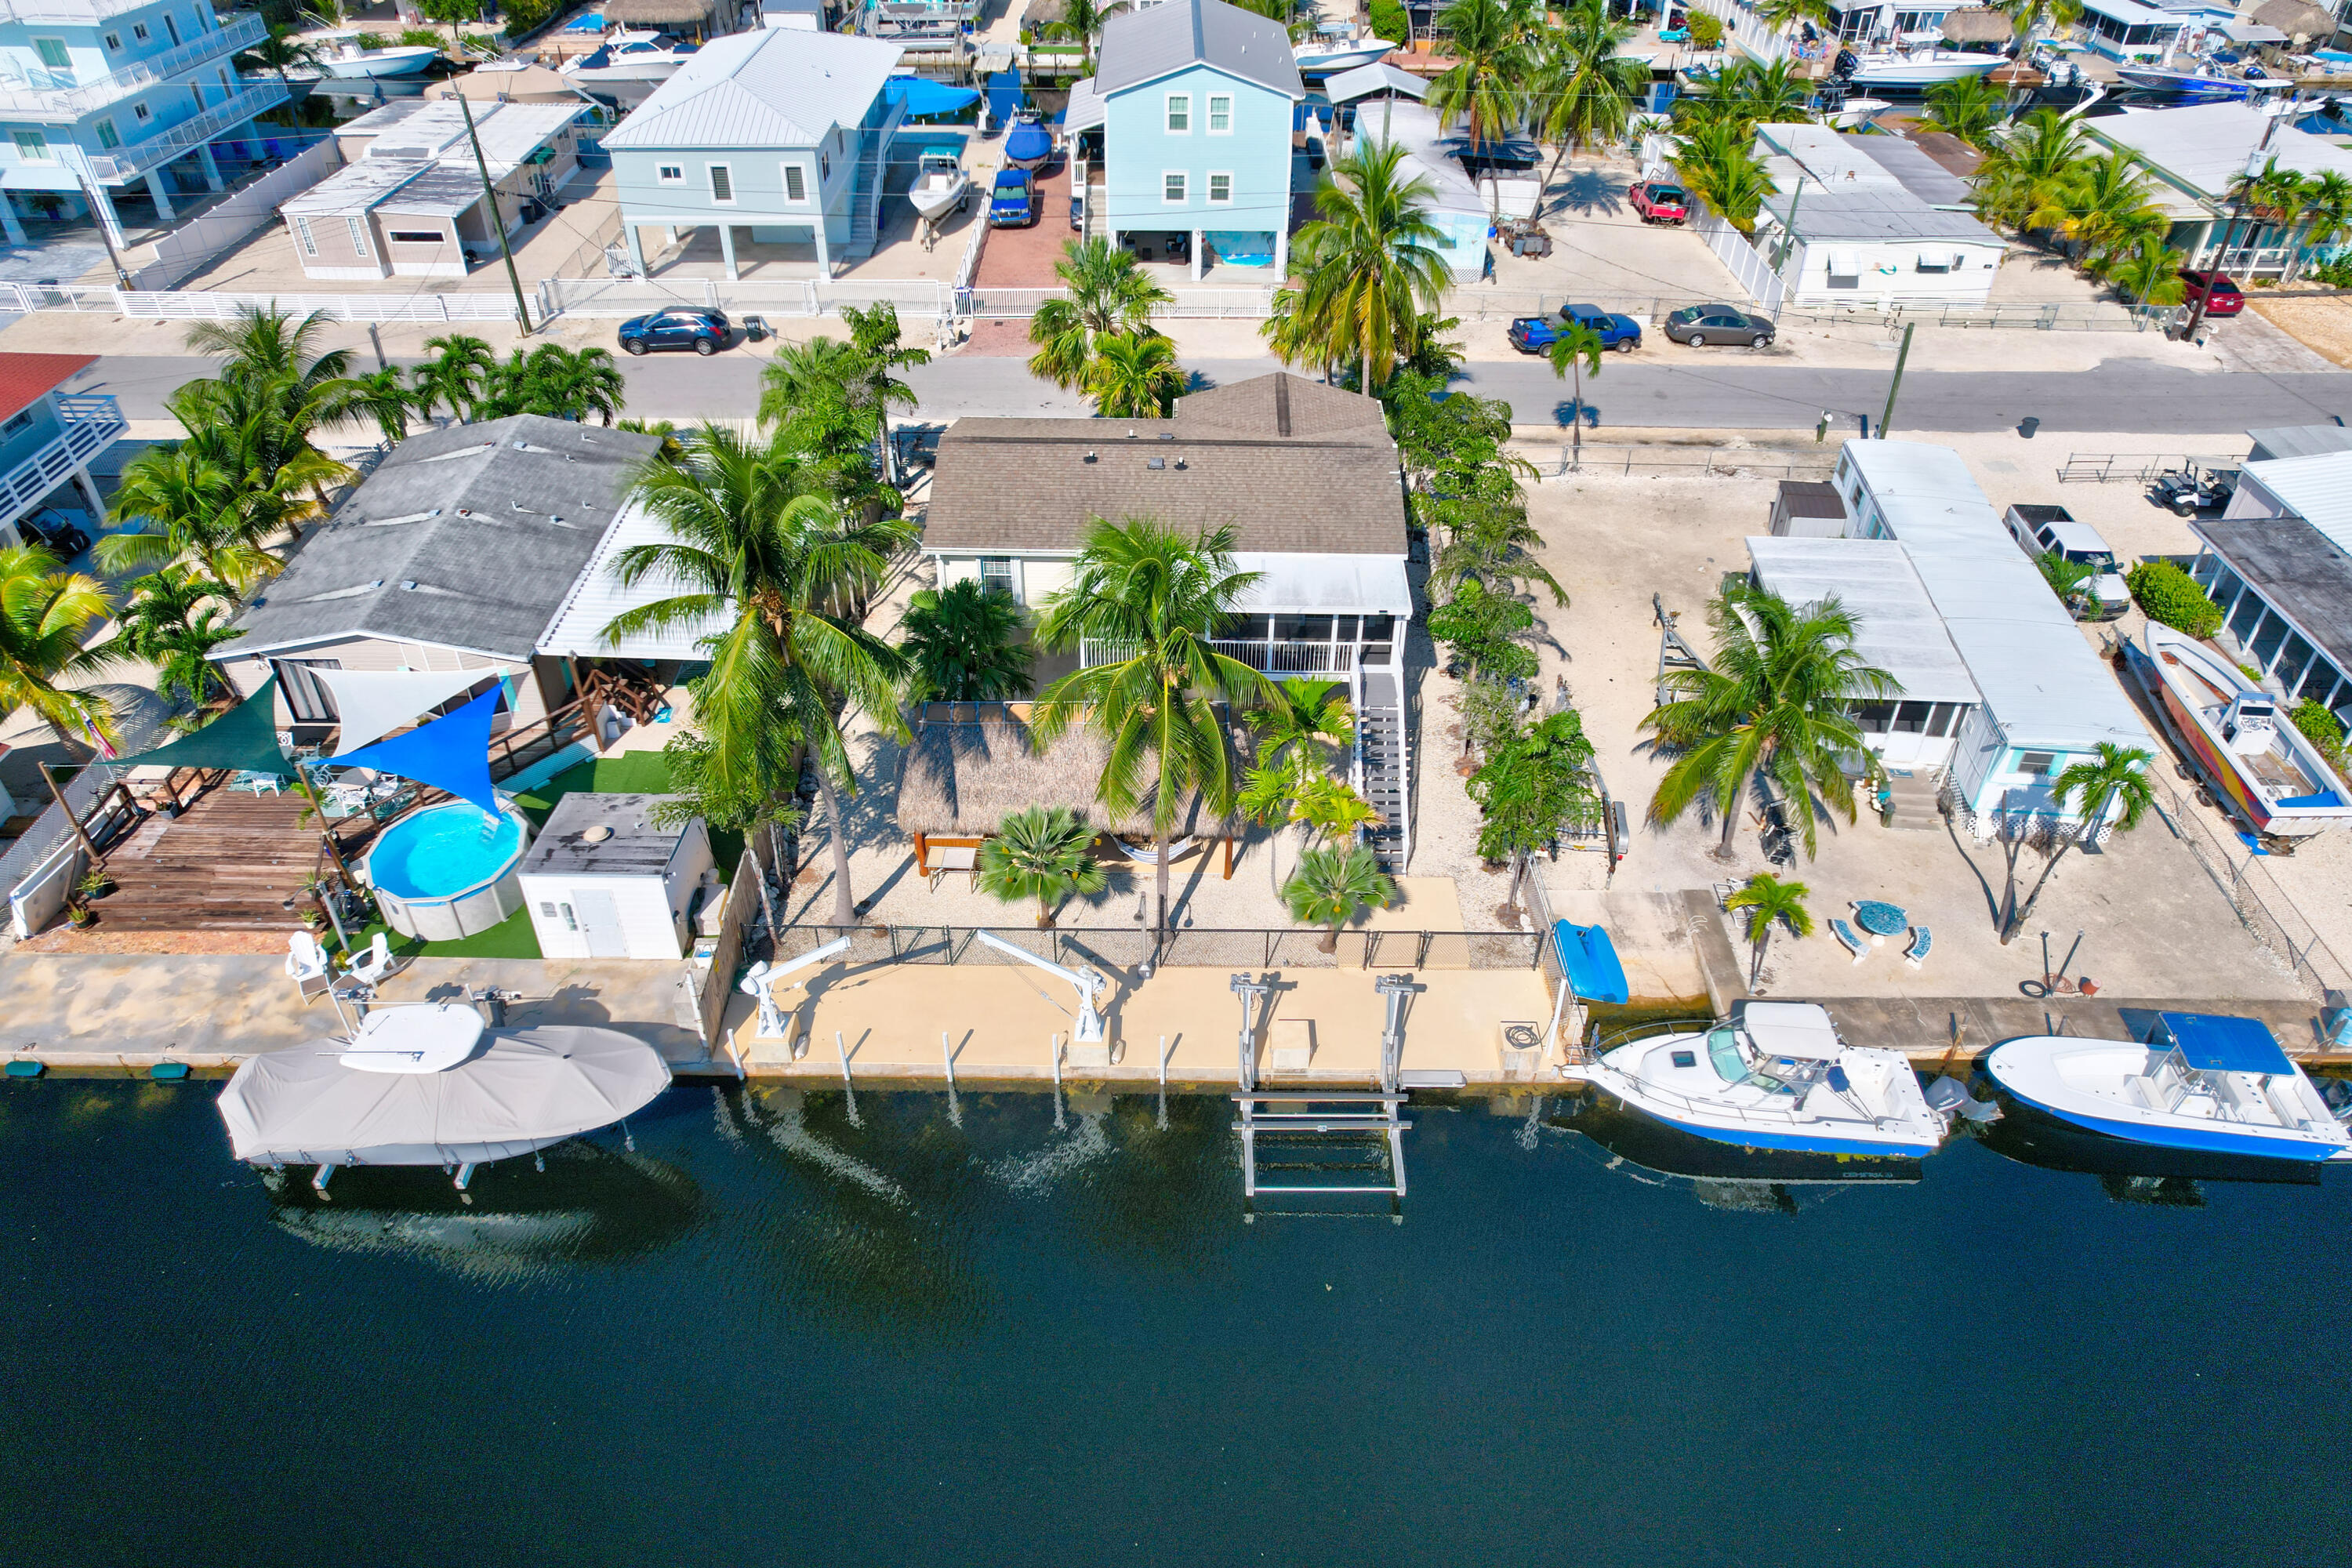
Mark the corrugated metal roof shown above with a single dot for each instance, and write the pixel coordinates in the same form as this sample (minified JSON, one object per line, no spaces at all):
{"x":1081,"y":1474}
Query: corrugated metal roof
{"x":778,"y":87}
{"x":2317,"y":488}
{"x":2204,"y":146}
{"x":1379,"y":76}
{"x":1854,"y":188}
{"x":1139,"y":47}
{"x":1324,"y":584}
{"x":1895,"y":625}
{"x":2298,"y":441}
{"x":599,"y":594}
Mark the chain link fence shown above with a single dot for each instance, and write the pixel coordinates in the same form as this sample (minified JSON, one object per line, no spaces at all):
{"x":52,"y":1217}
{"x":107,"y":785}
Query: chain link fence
{"x":1126,"y":950}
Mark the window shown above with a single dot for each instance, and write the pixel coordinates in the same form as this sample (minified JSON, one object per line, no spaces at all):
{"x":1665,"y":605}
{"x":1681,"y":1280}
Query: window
{"x":171,"y":27}
{"x":53,"y":53}
{"x":114,"y":42}
{"x":305,"y":695}
{"x":139,"y":113}
{"x":31,"y":146}
{"x":416,"y":237}
{"x":996,"y":576}
{"x":1686,"y":1058}
{"x":671,"y":174}
{"x":358,"y":227}
{"x":795,"y":183}
{"x":823,"y":167}
{"x":2036,"y":765}
{"x":722,"y":184}
{"x":1171,"y":186}
{"x":138,"y":31}
{"x":302,"y":233}
{"x":1180,"y":114}
{"x":1221,"y":188}
{"x":22,"y":423}
{"x":1940,"y":262}
{"x":107,"y":135}
{"x":1221,"y":114}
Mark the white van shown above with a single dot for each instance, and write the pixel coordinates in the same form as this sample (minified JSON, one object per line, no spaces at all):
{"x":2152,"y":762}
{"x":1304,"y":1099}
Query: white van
{"x":2039,"y":530}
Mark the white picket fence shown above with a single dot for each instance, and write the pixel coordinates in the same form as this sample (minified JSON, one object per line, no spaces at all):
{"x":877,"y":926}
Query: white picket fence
{"x":203,"y":305}
{"x":1734,"y":250}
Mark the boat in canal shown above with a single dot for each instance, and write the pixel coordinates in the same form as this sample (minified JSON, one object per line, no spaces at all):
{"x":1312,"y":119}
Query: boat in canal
{"x":1652,"y":1148}
{"x":1914,"y":70}
{"x":2254,"y":761}
{"x":352,"y":63}
{"x":2204,"y":1081}
{"x":1338,"y":48}
{"x":1774,"y":1076}
{"x":629,"y":60}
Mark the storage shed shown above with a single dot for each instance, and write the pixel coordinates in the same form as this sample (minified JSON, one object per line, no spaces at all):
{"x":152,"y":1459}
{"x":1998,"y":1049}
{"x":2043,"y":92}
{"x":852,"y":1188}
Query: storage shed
{"x":604,"y":880}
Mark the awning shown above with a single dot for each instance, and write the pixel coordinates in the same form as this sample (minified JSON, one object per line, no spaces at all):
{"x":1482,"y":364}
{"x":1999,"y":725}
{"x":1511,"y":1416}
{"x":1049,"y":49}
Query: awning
{"x":1797,"y":1029}
{"x":1844,"y":264}
{"x":244,"y":738}
{"x":2212,"y":1042}
{"x":452,"y":754}
{"x":1378,"y":77}
{"x":924,"y":97}
{"x":372,"y":703}
{"x":1087,"y":110}
{"x":1324,"y":584}
{"x":2251,"y":33}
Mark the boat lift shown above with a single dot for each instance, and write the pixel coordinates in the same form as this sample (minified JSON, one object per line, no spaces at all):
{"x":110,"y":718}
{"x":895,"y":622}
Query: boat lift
{"x":1294,"y":1113}
{"x":1674,"y":652}
{"x":1089,"y":985}
{"x":763,"y":978}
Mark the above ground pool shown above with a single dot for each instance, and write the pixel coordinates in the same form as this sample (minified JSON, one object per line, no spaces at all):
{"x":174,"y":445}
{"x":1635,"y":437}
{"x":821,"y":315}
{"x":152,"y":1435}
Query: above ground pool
{"x":447,"y":871}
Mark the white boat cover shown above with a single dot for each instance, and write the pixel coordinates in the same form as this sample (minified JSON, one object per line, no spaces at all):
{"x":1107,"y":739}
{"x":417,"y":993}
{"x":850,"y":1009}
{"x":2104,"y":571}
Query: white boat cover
{"x":528,"y":1089}
{"x":373,"y":703}
{"x":1795,"y":1029}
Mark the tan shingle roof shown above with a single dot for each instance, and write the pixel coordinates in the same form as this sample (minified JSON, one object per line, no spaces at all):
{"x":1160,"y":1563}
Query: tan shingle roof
{"x":1292,"y":465}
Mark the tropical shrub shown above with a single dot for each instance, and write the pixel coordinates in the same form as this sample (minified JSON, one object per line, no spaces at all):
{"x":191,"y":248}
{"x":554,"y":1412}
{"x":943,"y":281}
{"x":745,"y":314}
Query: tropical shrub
{"x":2322,"y":729}
{"x":1389,"y":21}
{"x":968,"y":643}
{"x":1706,"y":31}
{"x":1533,"y":785}
{"x":1331,"y":884}
{"x":1481,"y":631}
{"x":2170,"y":596}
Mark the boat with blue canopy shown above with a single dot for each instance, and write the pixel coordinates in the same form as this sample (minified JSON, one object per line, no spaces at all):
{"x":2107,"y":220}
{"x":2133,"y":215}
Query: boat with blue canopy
{"x":2200,"y":1080}
{"x":1028,"y":145}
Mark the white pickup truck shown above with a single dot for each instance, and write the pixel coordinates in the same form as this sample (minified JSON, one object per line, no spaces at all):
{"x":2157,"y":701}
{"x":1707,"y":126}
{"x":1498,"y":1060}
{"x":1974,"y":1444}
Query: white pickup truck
{"x":2045,"y":530}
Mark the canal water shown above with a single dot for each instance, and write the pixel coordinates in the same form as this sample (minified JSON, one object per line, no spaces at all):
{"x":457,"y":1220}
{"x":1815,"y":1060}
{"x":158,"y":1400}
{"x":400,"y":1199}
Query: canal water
{"x":776,"y":1333}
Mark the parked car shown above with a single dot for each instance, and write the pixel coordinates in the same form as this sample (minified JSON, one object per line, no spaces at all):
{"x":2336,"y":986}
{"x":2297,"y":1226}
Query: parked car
{"x":1660,"y":201}
{"x":2042,"y":530}
{"x":2223,"y":298}
{"x":1534,"y":334}
{"x":55,"y":533}
{"x":1697,"y":324}
{"x":1013,"y":204}
{"x":703,"y":330}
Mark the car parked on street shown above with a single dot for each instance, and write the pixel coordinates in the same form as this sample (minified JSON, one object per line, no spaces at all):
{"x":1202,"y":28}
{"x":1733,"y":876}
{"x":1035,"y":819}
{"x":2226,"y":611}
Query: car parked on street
{"x":705,"y":331}
{"x":1697,"y":324}
{"x":2222,"y":297}
{"x":1012,"y":203}
{"x":1534,"y":334}
{"x":1660,"y":201}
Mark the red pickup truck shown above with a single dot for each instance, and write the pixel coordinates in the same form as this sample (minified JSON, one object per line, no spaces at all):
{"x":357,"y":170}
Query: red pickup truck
{"x":1659,"y":201}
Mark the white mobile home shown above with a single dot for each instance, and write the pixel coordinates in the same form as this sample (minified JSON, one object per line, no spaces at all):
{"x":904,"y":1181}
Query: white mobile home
{"x":602,"y":879}
{"x":1869,"y":219}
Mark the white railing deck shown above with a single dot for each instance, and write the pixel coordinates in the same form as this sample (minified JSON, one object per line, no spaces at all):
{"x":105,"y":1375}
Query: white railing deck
{"x":1269,"y":657}
{"x":135,"y":158}
{"x":92,"y":422}
{"x":69,"y":98}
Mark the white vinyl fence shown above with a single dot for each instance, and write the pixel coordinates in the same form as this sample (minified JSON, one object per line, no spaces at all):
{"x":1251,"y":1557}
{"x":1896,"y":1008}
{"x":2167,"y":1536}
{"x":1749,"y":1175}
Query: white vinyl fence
{"x":1734,"y":250}
{"x":188,"y":247}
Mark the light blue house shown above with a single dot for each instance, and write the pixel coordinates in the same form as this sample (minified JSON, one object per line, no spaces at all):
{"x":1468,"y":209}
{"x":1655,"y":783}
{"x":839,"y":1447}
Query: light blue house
{"x":780,"y":131}
{"x":1197,"y":101}
{"x":101,"y":100}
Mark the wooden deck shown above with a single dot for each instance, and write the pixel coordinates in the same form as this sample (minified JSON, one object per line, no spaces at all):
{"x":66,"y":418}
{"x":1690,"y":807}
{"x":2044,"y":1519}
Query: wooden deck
{"x":227,"y":862}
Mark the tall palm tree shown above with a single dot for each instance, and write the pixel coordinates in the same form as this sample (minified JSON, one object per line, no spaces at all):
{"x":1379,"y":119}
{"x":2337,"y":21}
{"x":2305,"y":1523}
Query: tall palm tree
{"x":757,"y":534}
{"x":1109,"y":292}
{"x":1046,"y":853}
{"x":1150,"y":599}
{"x":2111,"y":783}
{"x":1772,"y":707}
{"x":1575,"y":354}
{"x":1331,"y":884}
{"x":1785,"y":16}
{"x":385,"y":396}
{"x":1083,"y":20}
{"x":175,"y":619}
{"x":1769,"y":902}
{"x":1746,"y":95}
{"x":1587,"y":89}
{"x":213,"y":502}
{"x":455,"y":375}
{"x":1487,"y":85}
{"x":1718,"y":163}
{"x":274,"y":360}
{"x":1968,"y":107}
{"x":966,"y":644}
{"x":44,"y":612}
{"x":1368,"y":266}
{"x":1134,"y":375}
{"x":875,"y":388}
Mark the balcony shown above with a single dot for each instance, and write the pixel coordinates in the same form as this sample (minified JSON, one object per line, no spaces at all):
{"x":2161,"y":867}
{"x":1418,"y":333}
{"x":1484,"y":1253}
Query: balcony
{"x":135,"y":158}
{"x":55,"y":97}
{"x":66,"y":12}
{"x":92,"y":422}
{"x":1269,"y":657}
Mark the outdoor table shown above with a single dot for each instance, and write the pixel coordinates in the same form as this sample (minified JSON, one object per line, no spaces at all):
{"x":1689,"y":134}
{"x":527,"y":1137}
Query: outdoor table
{"x":1881,"y":919}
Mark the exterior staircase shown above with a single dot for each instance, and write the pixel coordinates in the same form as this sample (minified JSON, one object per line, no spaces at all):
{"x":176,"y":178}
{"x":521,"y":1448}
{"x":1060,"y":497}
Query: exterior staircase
{"x":1384,"y":769}
{"x":866,"y":185}
{"x":1914,"y":795}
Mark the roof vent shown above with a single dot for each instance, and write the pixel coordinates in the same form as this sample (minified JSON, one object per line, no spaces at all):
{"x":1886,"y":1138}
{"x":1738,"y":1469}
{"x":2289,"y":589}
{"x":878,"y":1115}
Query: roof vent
{"x":596,"y":835}
{"x":1090,"y":457}
{"x":1167,"y":435}
{"x":1180,"y":465}
{"x":1157,"y":463}
{"x":410,"y":585}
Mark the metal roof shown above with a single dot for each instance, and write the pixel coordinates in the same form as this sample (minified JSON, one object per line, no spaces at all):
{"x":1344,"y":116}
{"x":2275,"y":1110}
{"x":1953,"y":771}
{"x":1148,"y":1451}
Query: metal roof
{"x":2037,"y":676}
{"x":1858,"y":188}
{"x":2298,"y":441}
{"x":420,"y":162}
{"x":633,"y":844}
{"x":1299,"y":584}
{"x":1416,"y":128}
{"x":2204,"y":146}
{"x":599,"y":594}
{"x":777,"y":87}
{"x":2303,"y":574}
{"x":442,"y":191}
{"x":1140,"y":46}
{"x":2317,"y":489}
{"x":470,"y":537}
{"x":25,"y":378}
{"x":1087,"y":108}
{"x":1895,"y":625}
{"x":1379,"y":76}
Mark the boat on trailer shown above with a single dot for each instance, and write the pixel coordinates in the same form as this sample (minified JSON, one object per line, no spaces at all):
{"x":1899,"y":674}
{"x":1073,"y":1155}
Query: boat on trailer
{"x":1028,"y":145}
{"x":2254,"y":761}
{"x":2202,"y":1082}
{"x":940,"y":184}
{"x":1774,"y":1076}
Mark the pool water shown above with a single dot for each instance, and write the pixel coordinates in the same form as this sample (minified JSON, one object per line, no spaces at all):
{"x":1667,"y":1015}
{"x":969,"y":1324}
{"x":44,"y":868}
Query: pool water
{"x":442,"y":850}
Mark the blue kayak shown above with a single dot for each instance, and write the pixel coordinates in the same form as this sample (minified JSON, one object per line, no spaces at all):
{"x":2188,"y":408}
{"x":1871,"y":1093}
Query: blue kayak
{"x":1591,"y":960}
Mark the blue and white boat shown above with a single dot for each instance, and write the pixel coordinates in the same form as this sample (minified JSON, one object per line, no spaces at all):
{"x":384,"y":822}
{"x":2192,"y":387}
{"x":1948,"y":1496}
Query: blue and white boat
{"x":1775,"y":1076}
{"x":1028,"y":145}
{"x":2200,"y":1080}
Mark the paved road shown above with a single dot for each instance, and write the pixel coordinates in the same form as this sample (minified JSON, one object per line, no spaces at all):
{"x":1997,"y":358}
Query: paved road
{"x":1729,"y":391}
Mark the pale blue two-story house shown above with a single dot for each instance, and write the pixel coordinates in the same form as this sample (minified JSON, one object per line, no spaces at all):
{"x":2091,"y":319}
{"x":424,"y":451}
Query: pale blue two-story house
{"x":778,"y":132}
{"x":1197,"y":101}
{"x":104,"y":99}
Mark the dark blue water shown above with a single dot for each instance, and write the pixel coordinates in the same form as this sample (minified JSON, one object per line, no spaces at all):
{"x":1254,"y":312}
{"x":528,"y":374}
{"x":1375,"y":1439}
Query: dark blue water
{"x":772,"y":1336}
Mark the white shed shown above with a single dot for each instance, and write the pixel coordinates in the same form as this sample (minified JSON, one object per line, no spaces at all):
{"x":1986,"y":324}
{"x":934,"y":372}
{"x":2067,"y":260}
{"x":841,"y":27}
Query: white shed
{"x":604,"y":880}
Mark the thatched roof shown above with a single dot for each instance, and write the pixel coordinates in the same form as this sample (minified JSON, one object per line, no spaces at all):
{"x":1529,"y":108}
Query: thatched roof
{"x":658,"y":13}
{"x":2296,"y":19}
{"x":533,"y":84}
{"x":1978,"y":26}
{"x":970,"y":765}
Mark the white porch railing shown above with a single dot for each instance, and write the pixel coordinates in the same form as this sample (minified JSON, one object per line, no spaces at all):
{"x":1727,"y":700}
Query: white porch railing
{"x":63,"y":98}
{"x":1267,"y":657}
{"x":260,"y":96}
{"x":91,"y":421}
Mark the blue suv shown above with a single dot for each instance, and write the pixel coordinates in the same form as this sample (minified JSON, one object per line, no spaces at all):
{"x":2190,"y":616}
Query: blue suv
{"x":704,"y":331}
{"x":1013,"y":202}
{"x":1535,"y":334}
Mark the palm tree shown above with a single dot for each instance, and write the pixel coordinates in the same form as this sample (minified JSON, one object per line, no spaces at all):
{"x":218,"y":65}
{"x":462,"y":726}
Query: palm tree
{"x":1774,"y":707}
{"x":2326,"y":216}
{"x":1493,"y":545}
{"x":1588,"y":87}
{"x":2022,"y":173}
{"x":1770,"y":902}
{"x":1083,"y":20}
{"x":1046,"y":853}
{"x":874,"y":387}
{"x":1150,"y":599}
{"x":1331,"y":884}
{"x":756,"y":533}
{"x":1784,"y":16}
{"x":44,"y":611}
{"x":2113,"y":787}
{"x":2105,"y":206}
{"x":279,"y":50}
{"x":1746,"y":95}
{"x":579,"y":381}
{"x":456,"y":376}
{"x":203,"y":503}
{"x":174,"y":621}
{"x":1367,"y":264}
{"x":384,"y":395}
{"x":2273,"y":195}
{"x":1134,"y":375}
{"x":2031,"y":16}
{"x":1575,"y":354}
{"x":965,"y":644}
{"x":1718,"y":163}
{"x":2148,"y":274}
{"x":1109,"y":292}
{"x":806,"y":389}
{"x":1968,"y":107}
{"x":1488,"y":84}
{"x":1300,"y":729}
{"x":274,"y":360}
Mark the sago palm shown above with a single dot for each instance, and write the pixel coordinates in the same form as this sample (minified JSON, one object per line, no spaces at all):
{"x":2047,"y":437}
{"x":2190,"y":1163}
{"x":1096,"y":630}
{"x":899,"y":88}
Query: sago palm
{"x":1134,"y":375}
{"x":43,"y":613}
{"x":965,"y":644}
{"x":1107,"y":292}
{"x":1332,"y":884}
{"x":1368,"y":266}
{"x":1768,"y":901}
{"x":2113,"y":789}
{"x":1773,"y":706}
{"x":1046,"y":853}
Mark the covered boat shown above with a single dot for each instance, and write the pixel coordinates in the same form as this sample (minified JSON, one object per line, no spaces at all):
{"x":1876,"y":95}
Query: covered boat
{"x":2257,"y":766}
{"x":1776,"y":1076}
{"x":429,"y":1085}
{"x":1028,"y":145}
{"x":2201,"y":1081}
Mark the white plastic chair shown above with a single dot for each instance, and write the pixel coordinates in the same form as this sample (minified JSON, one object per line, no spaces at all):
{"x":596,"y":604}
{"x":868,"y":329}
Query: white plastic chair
{"x":375,"y":966}
{"x":306,"y":961}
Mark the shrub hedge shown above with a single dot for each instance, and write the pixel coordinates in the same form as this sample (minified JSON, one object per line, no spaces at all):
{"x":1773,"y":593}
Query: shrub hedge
{"x":2170,"y":596}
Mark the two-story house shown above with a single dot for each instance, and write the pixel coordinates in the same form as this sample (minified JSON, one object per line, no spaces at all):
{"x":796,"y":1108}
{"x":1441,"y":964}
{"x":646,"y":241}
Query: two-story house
{"x":1197,"y":101}
{"x":779,"y":132}
{"x":47,"y":437}
{"x":104,"y":99}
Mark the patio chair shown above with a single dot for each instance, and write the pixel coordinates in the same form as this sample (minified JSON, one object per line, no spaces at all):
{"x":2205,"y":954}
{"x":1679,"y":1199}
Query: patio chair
{"x":375,"y":966}
{"x":1858,"y":946}
{"x":258,"y":784}
{"x":1916,"y":955}
{"x":306,"y":962}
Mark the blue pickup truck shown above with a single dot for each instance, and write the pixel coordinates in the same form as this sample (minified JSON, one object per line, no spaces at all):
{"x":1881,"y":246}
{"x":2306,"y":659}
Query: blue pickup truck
{"x":1012,"y":203}
{"x":1535,"y":334}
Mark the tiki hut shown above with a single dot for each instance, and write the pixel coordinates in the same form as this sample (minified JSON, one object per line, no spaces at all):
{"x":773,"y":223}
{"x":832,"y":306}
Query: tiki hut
{"x":2297,"y":19}
{"x":1978,"y":26}
{"x":668,"y":15}
{"x":971,"y":764}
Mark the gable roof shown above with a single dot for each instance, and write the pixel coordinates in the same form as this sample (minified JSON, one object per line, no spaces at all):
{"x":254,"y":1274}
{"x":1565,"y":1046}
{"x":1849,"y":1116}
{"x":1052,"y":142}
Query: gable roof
{"x":24,"y":379}
{"x":2203,"y":146}
{"x":1294,"y":466}
{"x":774,"y":87}
{"x":468,"y":537}
{"x":1140,"y":46}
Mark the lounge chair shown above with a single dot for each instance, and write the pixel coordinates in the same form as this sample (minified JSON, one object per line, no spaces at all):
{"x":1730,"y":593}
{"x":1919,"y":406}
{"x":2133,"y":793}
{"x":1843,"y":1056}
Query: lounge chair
{"x":1856,"y":945}
{"x":1916,"y":954}
{"x":375,"y":964}
{"x":258,"y":784}
{"x":306,"y":961}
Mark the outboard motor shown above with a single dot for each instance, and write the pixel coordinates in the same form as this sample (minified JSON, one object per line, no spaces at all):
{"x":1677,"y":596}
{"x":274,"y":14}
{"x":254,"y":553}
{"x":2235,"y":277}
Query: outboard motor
{"x":1847,"y":64}
{"x":2250,"y":724}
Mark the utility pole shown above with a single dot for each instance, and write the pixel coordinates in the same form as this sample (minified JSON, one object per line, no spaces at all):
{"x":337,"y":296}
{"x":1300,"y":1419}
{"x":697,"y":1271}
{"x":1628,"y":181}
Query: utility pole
{"x":79,"y":162}
{"x":449,"y":14}
{"x":2255,"y":162}
{"x":1902,"y":355}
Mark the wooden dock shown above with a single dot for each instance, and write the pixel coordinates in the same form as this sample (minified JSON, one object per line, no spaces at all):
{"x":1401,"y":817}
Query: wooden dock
{"x":227,"y":862}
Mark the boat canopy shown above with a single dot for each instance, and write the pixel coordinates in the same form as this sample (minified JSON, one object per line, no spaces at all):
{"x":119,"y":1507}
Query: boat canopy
{"x":1796,"y":1029}
{"x":925,"y":96}
{"x":2213,"y":1042}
